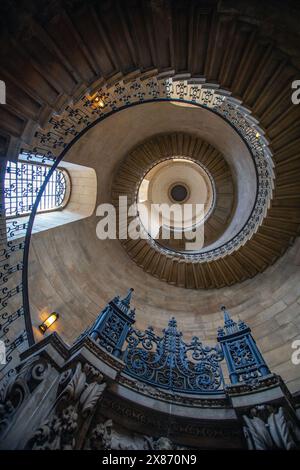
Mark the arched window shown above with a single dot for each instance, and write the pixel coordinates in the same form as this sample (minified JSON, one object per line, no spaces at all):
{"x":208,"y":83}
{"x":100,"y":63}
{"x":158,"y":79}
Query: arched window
{"x":23,"y":182}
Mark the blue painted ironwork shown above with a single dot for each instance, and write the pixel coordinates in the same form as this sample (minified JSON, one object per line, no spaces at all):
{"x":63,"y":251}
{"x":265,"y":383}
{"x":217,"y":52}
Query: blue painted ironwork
{"x":244,"y":360}
{"x":113,"y":324}
{"x":161,"y":361}
{"x":25,"y":188}
{"x":170,"y":363}
{"x":6,"y":293}
{"x":10,"y":247}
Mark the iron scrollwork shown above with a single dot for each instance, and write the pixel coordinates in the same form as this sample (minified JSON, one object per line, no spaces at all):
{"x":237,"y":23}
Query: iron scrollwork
{"x":244,"y":360}
{"x":22,"y":184}
{"x":7,"y":319}
{"x":168,"y":362}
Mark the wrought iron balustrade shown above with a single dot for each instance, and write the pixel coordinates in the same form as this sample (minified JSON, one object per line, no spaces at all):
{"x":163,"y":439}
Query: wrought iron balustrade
{"x":21,"y":191}
{"x":244,"y":360}
{"x":168,"y":362}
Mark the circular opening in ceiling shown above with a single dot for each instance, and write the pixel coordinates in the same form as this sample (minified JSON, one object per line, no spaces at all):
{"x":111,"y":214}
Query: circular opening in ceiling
{"x":179,"y":192}
{"x":169,"y":208}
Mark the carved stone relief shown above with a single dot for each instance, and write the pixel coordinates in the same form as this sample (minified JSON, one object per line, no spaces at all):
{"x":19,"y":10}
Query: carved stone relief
{"x":20,"y":387}
{"x":107,"y":435}
{"x":72,"y":411}
{"x":270,"y":427}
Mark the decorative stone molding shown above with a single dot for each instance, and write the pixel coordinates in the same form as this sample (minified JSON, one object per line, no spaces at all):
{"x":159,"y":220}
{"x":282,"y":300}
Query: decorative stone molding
{"x":73,"y":407}
{"x":163,"y":395}
{"x":88,"y":411}
{"x":107,"y":436}
{"x":19,"y":388}
{"x":269,"y":427}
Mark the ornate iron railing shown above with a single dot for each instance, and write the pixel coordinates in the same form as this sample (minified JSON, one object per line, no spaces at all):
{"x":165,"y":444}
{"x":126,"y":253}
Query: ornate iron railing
{"x":168,"y":362}
{"x":244,"y":360}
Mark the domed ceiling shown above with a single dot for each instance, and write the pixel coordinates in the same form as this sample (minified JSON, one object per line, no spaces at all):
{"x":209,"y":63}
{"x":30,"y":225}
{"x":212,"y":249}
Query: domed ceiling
{"x":177,"y":169}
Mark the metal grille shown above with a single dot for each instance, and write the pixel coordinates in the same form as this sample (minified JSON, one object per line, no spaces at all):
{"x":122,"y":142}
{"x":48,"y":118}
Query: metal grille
{"x":22,"y":184}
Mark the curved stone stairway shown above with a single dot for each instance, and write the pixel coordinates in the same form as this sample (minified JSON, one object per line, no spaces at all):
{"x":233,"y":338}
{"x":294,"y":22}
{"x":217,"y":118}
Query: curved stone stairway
{"x":54,"y":55}
{"x":141,"y":159}
{"x":268,"y":233}
{"x":102,"y":41}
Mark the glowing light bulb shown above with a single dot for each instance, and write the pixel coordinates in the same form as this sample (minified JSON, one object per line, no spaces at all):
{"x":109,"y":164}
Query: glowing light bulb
{"x":48,"y":322}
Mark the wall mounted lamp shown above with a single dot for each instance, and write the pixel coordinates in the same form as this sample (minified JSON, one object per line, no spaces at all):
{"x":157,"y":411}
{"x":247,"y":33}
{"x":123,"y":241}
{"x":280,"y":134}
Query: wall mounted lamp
{"x":48,"y":322}
{"x":97,"y":101}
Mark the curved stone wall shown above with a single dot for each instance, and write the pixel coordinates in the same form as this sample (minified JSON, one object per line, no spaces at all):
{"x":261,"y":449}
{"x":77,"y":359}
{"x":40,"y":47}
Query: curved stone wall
{"x":83,"y":273}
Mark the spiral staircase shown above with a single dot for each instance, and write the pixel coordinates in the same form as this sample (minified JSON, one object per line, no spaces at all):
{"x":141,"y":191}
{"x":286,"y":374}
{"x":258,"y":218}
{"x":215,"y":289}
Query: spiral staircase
{"x":225,"y":59}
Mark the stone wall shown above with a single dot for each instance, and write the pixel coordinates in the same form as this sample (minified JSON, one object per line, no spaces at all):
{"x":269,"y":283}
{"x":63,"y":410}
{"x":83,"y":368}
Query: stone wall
{"x":74,"y":273}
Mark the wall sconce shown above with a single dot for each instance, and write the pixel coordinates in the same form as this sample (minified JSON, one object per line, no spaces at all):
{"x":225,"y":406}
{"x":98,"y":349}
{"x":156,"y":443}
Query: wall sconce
{"x":97,"y":101}
{"x":48,"y":322}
